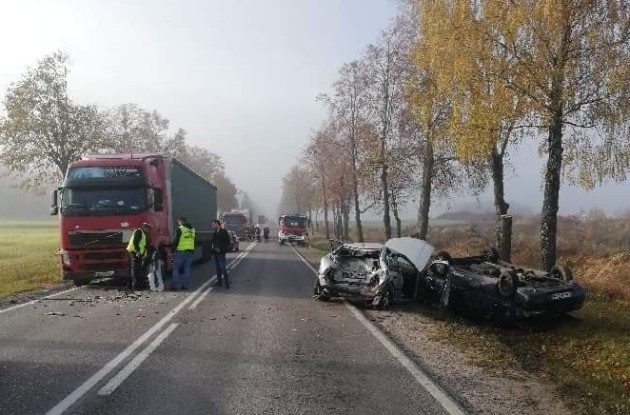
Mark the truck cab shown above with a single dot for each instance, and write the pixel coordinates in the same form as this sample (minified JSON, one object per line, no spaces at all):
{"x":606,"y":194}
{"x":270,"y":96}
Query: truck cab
{"x":101,"y":202}
{"x":293,"y":228}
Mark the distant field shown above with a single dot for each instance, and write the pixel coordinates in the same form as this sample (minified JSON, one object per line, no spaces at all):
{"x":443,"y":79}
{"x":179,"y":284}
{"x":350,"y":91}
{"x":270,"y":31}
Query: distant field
{"x":27,"y":255}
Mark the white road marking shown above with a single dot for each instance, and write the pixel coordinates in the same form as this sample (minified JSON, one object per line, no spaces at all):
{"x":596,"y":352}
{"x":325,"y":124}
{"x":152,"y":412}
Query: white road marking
{"x":105,"y":370}
{"x":200,"y":298}
{"x":109,"y":367}
{"x":15,"y":307}
{"x":447,"y":402}
{"x":117,"y":380}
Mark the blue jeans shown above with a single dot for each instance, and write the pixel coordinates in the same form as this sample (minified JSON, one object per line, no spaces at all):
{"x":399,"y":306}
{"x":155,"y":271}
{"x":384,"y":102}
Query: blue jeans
{"x":181,"y":259}
{"x":220,"y":268}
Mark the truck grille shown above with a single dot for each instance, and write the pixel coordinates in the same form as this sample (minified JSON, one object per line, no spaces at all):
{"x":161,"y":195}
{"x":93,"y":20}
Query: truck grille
{"x":95,"y":238}
{"x":105,"y":255}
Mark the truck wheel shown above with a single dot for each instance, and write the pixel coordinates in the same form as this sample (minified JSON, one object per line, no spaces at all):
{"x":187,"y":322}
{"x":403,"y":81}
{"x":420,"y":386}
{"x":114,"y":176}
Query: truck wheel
{"x":81,"y":282}
{"x":508,"y":283}
{"x":561,"y":273}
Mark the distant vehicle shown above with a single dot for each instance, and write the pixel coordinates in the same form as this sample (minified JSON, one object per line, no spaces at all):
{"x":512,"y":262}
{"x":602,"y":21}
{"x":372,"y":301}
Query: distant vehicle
{"x":293,"y":228}
{"x":234,"y":242}
{"x":236,"y":222}
{"x":105,"y":197}
{"x":381,"y":274}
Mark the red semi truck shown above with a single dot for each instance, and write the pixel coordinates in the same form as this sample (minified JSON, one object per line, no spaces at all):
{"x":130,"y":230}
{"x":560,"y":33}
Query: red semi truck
{"x":105,"y":197}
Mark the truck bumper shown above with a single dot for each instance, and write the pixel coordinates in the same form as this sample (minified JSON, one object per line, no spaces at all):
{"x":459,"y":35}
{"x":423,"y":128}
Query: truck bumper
{"x":92,"y":264}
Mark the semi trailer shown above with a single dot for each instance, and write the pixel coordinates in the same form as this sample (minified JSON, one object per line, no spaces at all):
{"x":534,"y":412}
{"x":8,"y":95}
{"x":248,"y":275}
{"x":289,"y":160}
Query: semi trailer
{"x":105,"y":197}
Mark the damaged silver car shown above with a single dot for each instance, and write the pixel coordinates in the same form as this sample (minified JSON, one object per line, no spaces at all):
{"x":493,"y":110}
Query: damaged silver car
{"x":372,"y":274}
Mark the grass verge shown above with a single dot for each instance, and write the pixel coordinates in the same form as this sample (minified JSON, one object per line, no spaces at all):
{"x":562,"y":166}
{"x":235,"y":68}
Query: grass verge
{"x":27,"y":260}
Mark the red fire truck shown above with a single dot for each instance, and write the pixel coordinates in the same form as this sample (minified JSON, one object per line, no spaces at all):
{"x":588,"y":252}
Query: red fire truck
{"x":104,"y":198}
{"x":293,"y":228}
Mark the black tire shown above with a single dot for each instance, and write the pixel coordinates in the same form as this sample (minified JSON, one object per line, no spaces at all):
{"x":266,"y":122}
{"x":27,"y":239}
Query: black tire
{"x":562,"y":273}
{"x":447,"y":298}
{"x":440,"y":270}
{"x":441,"y":256}
{"x":492,"y":255}
{"x":80,"y":282}
{"x":318,"y":292}
{"x":387,"y":300}
{"x":507,"y":284}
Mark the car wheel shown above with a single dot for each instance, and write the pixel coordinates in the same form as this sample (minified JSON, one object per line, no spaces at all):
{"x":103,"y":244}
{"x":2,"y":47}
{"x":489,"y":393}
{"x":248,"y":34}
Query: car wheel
{"x":508,"y":283}
{"x":491,"y":254}
{"x":387,"y":299}
{"x":561,"y":273}
{"x":319,"y":293}
{"x":447,"y":298}
{"x":441,"y":256}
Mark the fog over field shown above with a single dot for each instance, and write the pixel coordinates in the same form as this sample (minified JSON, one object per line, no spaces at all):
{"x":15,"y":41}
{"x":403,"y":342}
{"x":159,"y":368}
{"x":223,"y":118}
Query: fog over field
{"x":241,"y":78}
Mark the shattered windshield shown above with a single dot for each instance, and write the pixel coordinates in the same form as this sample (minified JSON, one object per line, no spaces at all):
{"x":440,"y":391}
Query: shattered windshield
{"x":103,"y":201}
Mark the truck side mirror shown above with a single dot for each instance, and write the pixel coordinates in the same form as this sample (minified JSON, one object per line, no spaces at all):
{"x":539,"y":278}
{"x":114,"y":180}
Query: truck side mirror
{"x":54,"y":208}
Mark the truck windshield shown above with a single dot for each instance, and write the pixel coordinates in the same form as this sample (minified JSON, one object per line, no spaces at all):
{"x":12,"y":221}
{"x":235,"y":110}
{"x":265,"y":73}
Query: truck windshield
{"x":294,"y":221}
{"x":234,"y":220}
{"x":102,"y":201}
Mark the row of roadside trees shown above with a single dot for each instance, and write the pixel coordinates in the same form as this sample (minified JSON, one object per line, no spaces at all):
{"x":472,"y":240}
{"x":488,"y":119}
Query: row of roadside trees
{"x":446,"y":94}
{"x":43,"y":130}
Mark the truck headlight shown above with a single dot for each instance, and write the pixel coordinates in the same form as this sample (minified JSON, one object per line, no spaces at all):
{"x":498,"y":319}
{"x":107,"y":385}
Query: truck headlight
{"x":65,"y":258}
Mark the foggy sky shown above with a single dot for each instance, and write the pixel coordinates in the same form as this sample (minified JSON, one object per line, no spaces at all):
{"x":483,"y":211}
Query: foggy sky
{"x":240,"y":76}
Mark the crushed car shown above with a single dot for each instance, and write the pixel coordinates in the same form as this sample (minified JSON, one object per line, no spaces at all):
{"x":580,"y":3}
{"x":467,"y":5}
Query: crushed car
{"x":369,"y":273}
{"x":407,"y":267}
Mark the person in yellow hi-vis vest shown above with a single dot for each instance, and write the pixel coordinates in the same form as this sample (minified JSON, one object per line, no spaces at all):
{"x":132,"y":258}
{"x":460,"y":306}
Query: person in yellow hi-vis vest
{"x":183,"y":252}
{"x":138,"y":248}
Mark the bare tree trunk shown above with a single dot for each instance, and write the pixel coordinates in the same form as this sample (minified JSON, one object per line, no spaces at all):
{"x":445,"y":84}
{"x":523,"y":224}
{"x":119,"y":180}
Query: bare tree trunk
{"x":346,"y":218}
{"x":396,"y":216}
{"x":503,"y":233}
{"x":385,"y":189}
{"x":325,"y":208}
{"x":357,"y":208}
{"x":549,"y":213}
{"x":425,"y":190}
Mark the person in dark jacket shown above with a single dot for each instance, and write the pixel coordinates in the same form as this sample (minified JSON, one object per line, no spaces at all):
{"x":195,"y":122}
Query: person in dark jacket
{"x":220,"y":246}
{"x":183,"y":253}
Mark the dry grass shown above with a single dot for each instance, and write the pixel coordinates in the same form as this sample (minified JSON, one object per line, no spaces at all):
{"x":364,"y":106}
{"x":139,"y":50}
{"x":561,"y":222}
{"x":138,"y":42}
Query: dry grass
{"x":27,"y":256}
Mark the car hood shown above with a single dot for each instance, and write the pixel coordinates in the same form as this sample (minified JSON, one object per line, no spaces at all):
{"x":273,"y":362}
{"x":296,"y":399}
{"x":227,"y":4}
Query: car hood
{"x":415,"y":250}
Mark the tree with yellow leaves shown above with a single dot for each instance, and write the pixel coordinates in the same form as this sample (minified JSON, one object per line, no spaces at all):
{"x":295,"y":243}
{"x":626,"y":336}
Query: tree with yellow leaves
{"x":563,"y":64}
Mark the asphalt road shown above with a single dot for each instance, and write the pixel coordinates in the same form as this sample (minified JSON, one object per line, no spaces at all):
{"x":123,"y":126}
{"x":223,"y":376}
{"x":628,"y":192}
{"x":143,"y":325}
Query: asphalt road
{"x":262,"y":347}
